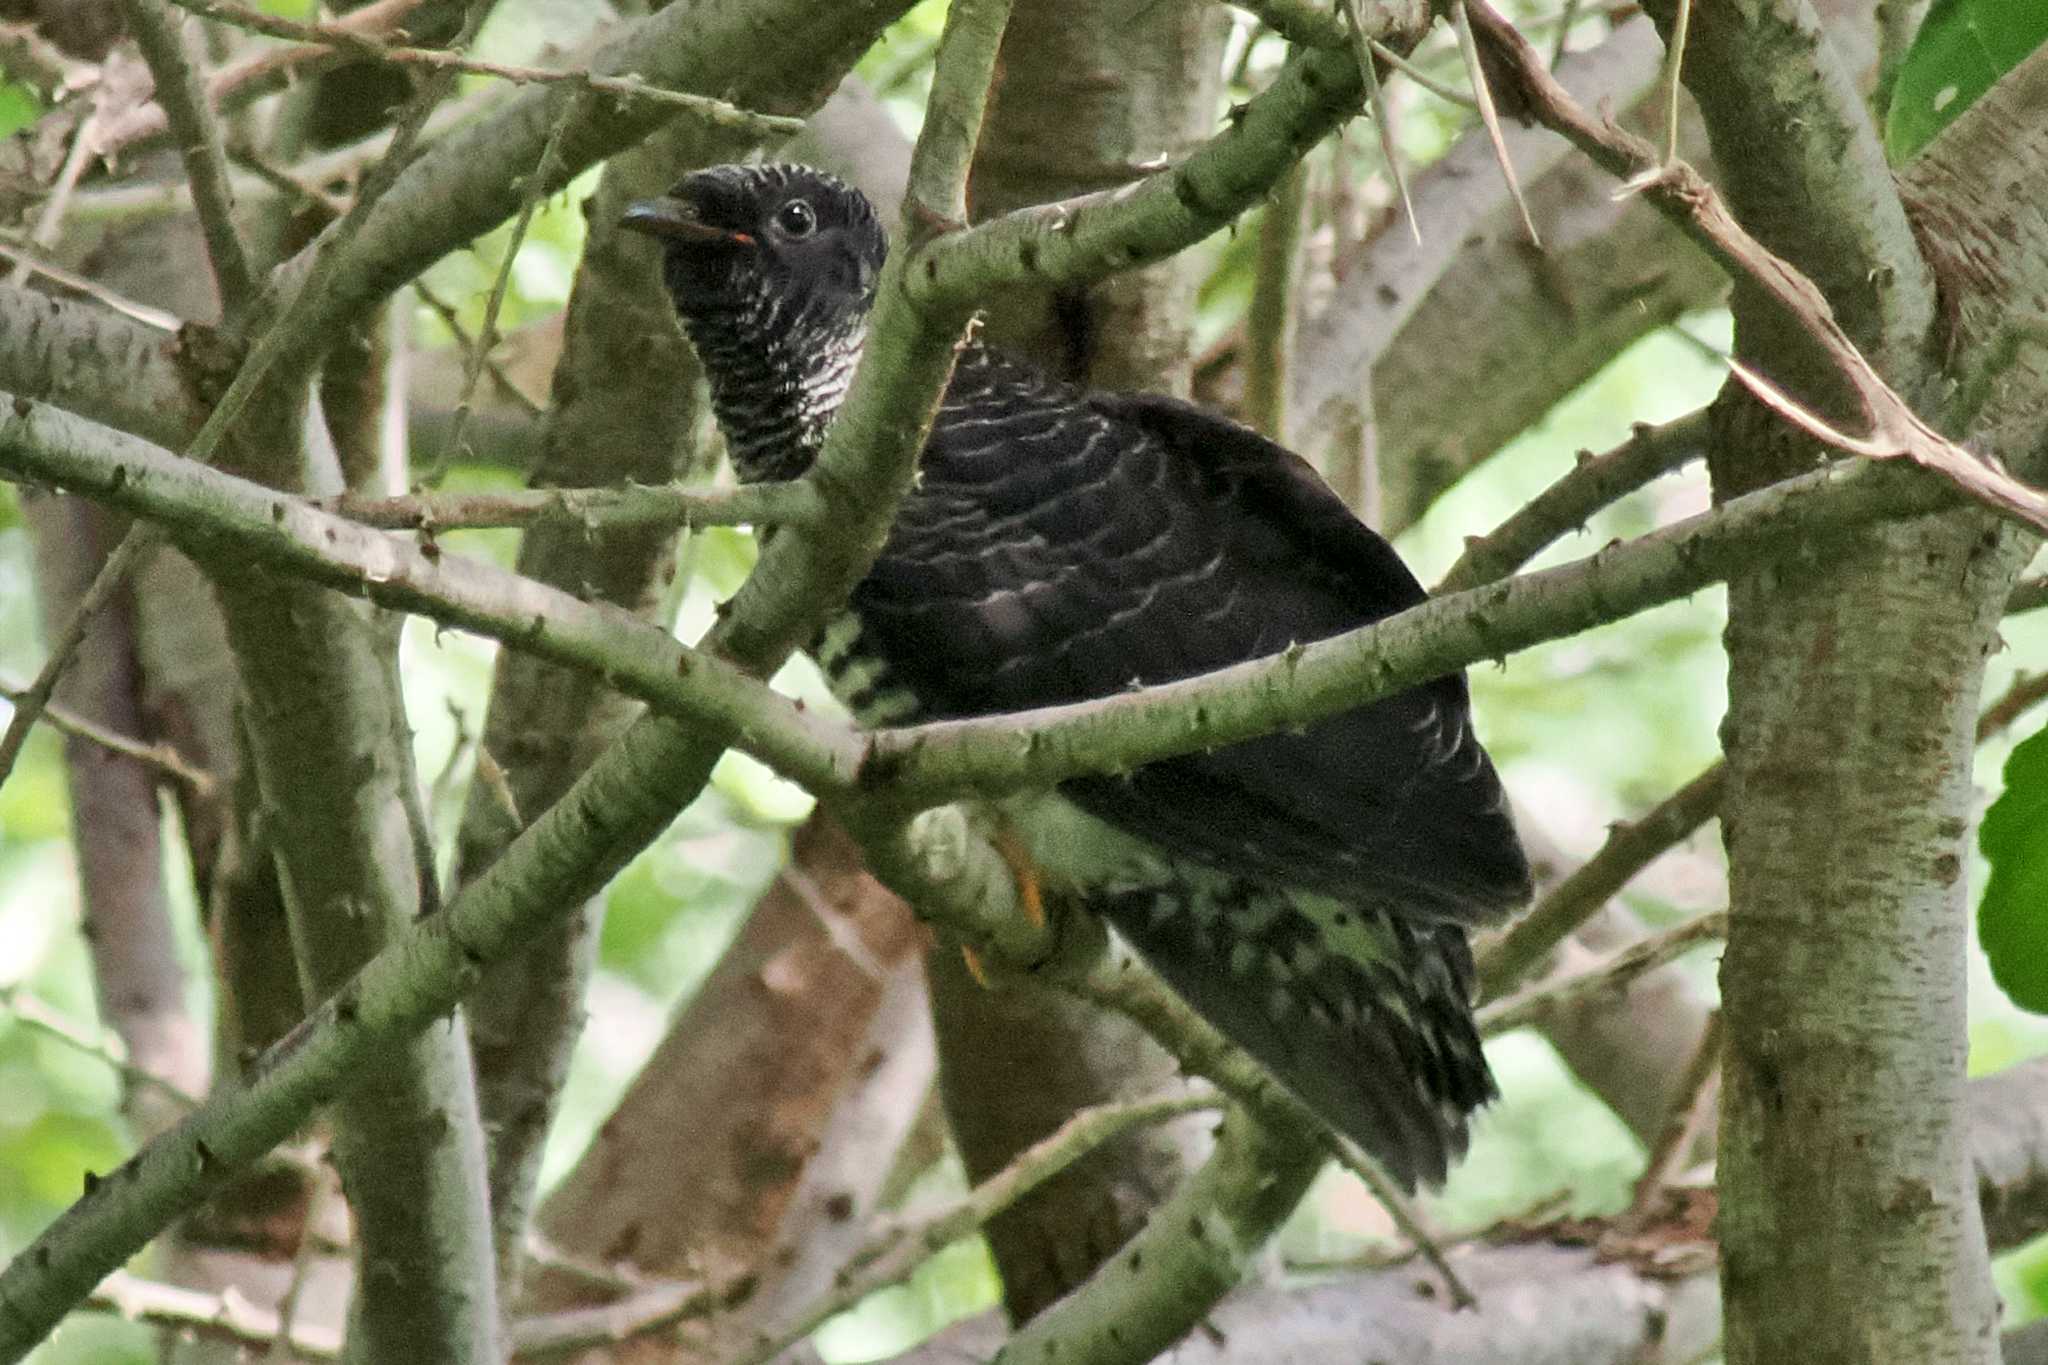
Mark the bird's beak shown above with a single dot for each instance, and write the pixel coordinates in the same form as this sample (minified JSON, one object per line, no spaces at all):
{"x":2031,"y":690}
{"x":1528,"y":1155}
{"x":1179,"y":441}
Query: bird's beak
{"x":674,"y":219}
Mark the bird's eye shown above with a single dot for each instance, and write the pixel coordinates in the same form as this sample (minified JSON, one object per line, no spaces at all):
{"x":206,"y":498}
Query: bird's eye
{"x":796,"y":219}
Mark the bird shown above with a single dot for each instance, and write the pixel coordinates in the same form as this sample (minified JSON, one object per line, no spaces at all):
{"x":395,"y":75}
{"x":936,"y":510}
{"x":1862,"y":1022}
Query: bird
{"x":1309,"y":893}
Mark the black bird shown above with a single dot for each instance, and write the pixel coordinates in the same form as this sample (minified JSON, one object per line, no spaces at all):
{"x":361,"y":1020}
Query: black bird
{"x":1308,"y":893}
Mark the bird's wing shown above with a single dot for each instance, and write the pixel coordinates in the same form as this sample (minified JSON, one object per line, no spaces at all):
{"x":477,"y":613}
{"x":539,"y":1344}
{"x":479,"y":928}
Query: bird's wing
{"x":1066,"y":546}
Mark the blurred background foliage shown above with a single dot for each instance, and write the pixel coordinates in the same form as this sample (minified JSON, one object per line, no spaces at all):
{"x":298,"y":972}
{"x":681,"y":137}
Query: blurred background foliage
{"x":1588,"y":731}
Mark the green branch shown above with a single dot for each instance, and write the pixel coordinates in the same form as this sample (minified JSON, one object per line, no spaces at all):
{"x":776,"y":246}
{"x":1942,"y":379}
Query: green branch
{"x":939,"y":761}
{"x":1096,"y":235}
{"x":190,"y":116}
{"x":219,"y":517}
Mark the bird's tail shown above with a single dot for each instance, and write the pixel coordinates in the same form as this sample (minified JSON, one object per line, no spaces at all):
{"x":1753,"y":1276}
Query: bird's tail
{"x":1364,"y":1015}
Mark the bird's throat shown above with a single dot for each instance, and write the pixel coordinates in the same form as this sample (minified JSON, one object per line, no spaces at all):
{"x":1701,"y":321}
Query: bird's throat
{"x":776,"y":384}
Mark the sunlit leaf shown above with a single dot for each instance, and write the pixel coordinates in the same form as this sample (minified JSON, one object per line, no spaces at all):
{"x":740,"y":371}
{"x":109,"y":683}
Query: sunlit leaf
{"x":1962,"y":50}
{"x":2012,"y":921}
{"x":19,"y":107}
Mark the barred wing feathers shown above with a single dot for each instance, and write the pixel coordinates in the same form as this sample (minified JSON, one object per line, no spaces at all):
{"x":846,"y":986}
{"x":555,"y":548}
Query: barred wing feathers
{"x":1063,"y":547}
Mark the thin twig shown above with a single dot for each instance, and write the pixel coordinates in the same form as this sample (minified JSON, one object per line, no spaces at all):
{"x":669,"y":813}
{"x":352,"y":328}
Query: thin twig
{"x":646,"y":1309}
{"x":2030,"y":594}
{"x":30,"y":59}
{"x":530,"y":194}
{"x":163,"y":757}
{"x":178,"y":89}
{"x":718,"y":113}
{"x":470,"y":349}
{"x":1461,"y":23}
{"x":318,"y":1198}
{"x":1674,"y":64}
{"x":226,"y":1316}
{"x":1449,"y":94}
{"x":105,"y":1047}
{"x":1892,"y":429}
{"x":294,"y":188}
{"x":28,"y":262}
{"x":1629,"y":849}
{"x":1402,"y":1210}
{"x":1593,"y":483}
{"x":1362,"y":51}
{"x":283,"y":330}
{"x":237,"y":85}
{"x":1564,"y":23}
{"x":50,"y":221}
{"x":29,"y":705}
{"x":1609,"y":974}
{"x":2027,"y":691}
{"x":893,"y":1256}
{"x":1632,"y":847}
{"x":1681,"y":1127}
{"x":1269,"y":321}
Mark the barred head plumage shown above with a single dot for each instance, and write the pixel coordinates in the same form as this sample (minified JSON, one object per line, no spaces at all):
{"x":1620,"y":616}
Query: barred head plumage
{"x":773,"y":270}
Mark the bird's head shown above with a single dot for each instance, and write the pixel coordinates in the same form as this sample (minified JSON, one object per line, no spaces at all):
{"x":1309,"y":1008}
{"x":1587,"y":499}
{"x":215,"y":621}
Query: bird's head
{"x":773,"y":270}
{"x":736,"y":239}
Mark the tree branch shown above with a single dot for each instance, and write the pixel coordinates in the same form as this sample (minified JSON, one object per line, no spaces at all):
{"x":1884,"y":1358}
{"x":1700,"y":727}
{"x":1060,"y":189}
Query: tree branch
{"x":1094,"y":235}
{"x":894,"y":1254}
{"x":358,"y":45}
{"x":1595,"y":482}
{"x":190,"y":115}
{"x":755,"y":55}
{"x":652,"y":506}
{"x":1309,"y":682}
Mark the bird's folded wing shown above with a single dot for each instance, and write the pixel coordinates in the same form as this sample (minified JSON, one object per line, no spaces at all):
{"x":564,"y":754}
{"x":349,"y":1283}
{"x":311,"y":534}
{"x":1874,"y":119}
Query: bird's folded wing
{"x":1064,"y":546}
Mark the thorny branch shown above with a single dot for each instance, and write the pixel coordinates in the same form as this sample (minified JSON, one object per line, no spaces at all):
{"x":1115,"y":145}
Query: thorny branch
{"x":354,"y":42}
{"x":1892,"y":428}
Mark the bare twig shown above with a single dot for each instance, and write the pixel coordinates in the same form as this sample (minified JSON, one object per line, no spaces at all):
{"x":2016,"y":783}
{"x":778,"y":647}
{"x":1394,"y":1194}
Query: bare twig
{"x":33,"y":60}
{"x":1564,"y":23}
{"x":529,"y":200}
{"x":238,"y":84}
{"x":1675,"y":63}
{"x":1449,"y":94}
{"x":718,"y":113}
{"x":2027,"y":691}
{"x":30,"y":704}
{"x":83,"y":140}
{"x":1629,"y":849}
{"x":282,"y":332}
{"x":1269,"y":321}
{"x":760,"y":504}
{"x":1461,"y":23}
{"x":294,"y":187}
{"x":894,"y":1255}
{"x":1893,"y":429}
{"x":28,"y":262}
{"x":1594,"y":483}
{"x":1406,"y":1216}
{"x":645,"y":1309}
{"x":178,"y":90}
{"x":1609,"y":974}
{"x":162,"y":757}
{"x":226,"y":1316}
{"x":318,"y":1199}
{"x":472,"y":348}
{"x":2030,"y":594}
{"x":1362,"y":50}
{"x":106,"y":1047}
{"x":1688,"y":1112}
{"x":1633,"y":846}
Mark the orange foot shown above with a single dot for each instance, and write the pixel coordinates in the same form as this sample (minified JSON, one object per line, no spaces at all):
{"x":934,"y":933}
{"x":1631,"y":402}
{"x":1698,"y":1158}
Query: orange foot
{"x":1030,"y":893}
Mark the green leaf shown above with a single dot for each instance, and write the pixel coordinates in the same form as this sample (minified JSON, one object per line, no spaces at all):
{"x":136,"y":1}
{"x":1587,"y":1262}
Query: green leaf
{"x":1961,"y":51}
{"x":2012,"y":921}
